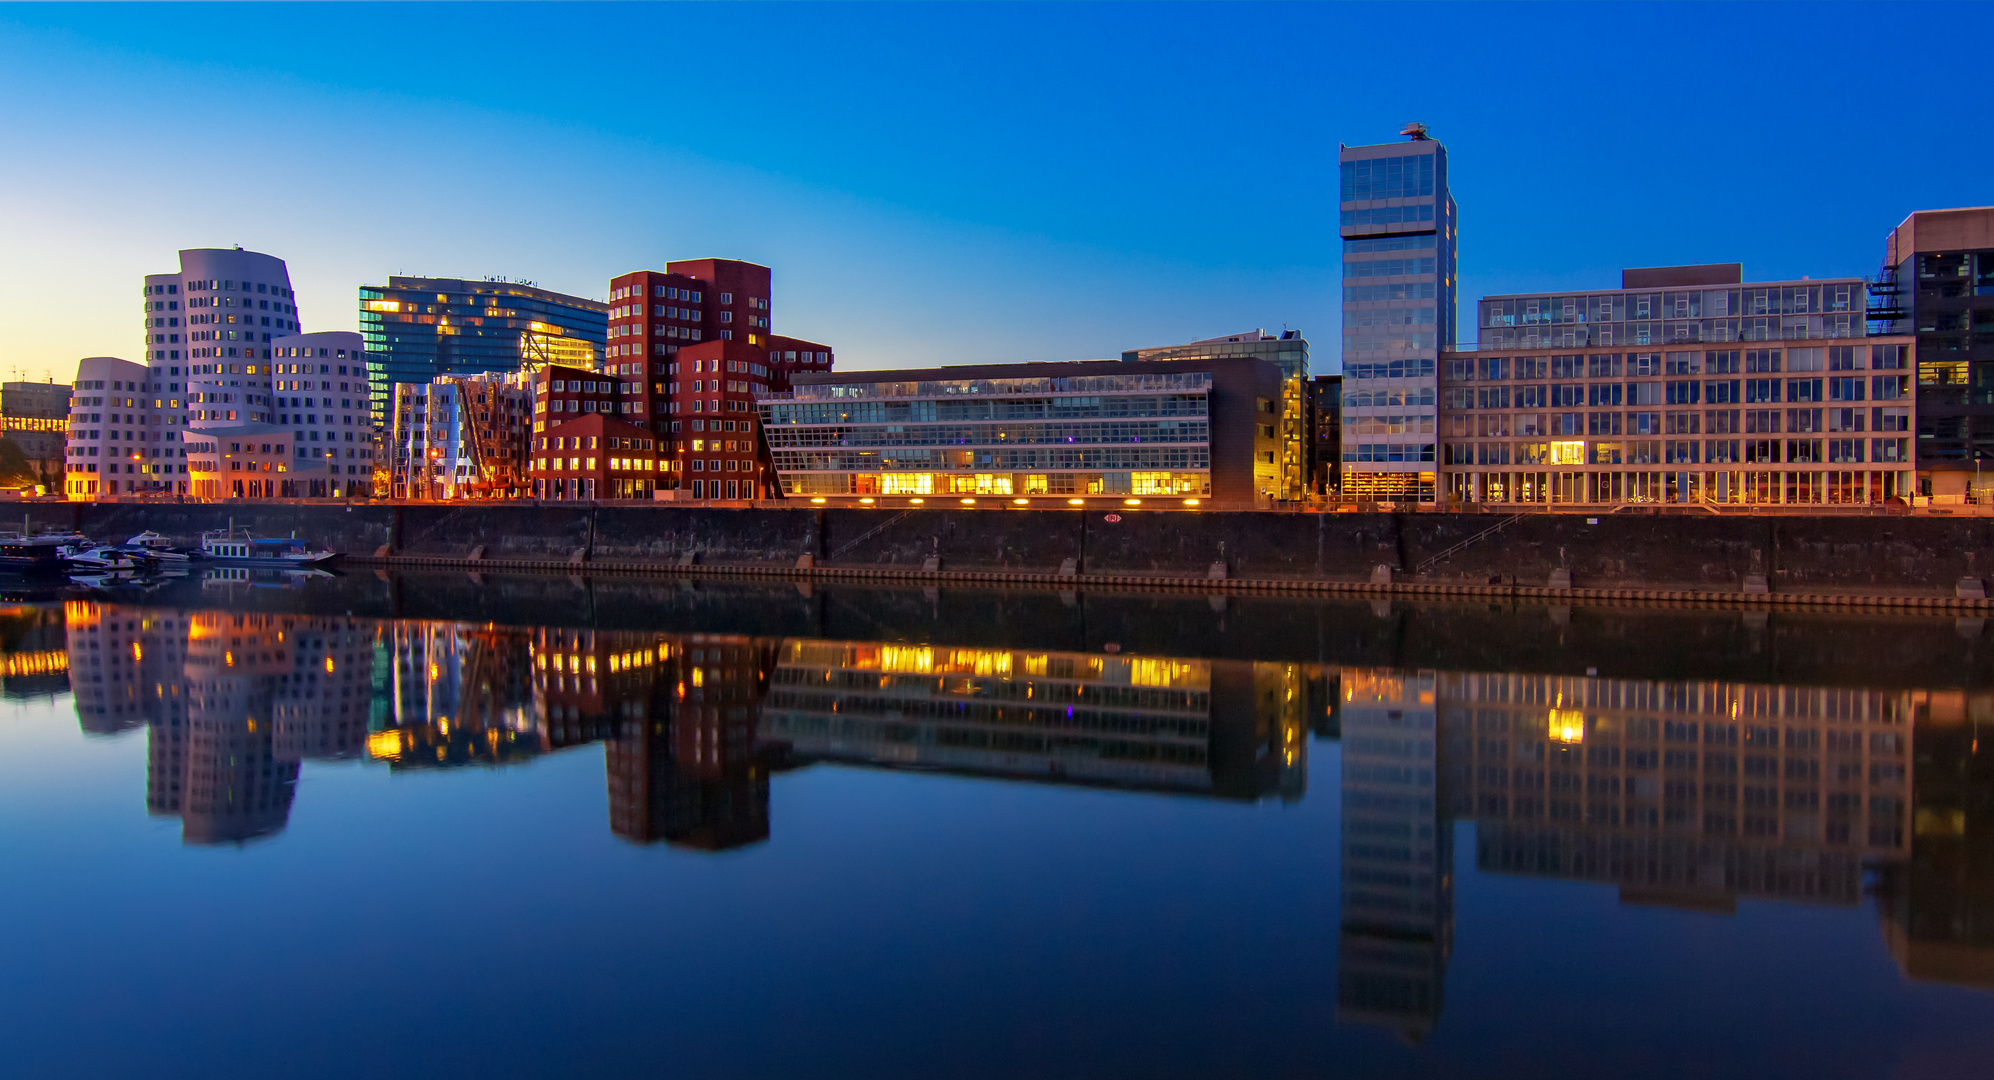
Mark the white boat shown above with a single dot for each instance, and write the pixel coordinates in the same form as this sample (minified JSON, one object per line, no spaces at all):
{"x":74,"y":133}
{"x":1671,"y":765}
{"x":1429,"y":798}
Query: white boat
{"x":236,"y":548}
{"x":159,"y":547}
{"x":102,"y":558}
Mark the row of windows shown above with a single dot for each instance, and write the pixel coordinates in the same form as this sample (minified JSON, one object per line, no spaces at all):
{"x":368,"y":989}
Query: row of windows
{"x":1681,"y":452}
{"x":1710,"y":362}
{"x":1713,"y":422}
{"x":1693,"y":304}
{"x":1722,"y":392}
{"x":1389,"y":268}
{"x":1019,"y":459}
{"x":1174,"y":431}
{"x":1059,"y":408}
{"x":1388,"y":452}
{"x":1388,"y":215}
{"x":1407,"y":177}
{"x":1416,"y":368}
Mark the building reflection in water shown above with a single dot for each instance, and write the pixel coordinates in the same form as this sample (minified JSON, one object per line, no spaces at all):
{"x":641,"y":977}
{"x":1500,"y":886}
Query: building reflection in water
{"x":1229,"y":729}
{"x":1691,"y":794}
{"x":1937,"y":906}
{"x":1397,"y":854}
{"x":231,"y":703}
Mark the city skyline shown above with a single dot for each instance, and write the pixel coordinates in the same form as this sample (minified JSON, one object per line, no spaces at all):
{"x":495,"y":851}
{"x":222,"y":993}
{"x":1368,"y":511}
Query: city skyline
{"x":908,"y":251}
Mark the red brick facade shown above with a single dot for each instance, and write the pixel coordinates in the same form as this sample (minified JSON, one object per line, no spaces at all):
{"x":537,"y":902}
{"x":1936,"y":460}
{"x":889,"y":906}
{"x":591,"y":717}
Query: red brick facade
{"x":689,"y":350}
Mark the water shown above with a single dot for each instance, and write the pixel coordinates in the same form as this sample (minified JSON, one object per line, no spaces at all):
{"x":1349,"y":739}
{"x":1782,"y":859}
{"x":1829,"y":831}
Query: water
{"x":446,"y":825}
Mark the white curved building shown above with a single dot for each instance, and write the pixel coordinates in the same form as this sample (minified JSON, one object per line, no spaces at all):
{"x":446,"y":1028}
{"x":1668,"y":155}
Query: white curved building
{"x":208,"y":341}
{"x":114,"y":431}
{"x":308,"y":437}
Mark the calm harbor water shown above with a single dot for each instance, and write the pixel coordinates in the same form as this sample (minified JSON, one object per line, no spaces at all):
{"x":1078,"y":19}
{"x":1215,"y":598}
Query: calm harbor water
{"x":377,"y":825}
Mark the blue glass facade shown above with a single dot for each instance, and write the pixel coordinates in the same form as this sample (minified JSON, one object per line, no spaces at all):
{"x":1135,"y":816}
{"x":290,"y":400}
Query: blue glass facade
{"x":419,"y":328}
{"x":1397,"y":222}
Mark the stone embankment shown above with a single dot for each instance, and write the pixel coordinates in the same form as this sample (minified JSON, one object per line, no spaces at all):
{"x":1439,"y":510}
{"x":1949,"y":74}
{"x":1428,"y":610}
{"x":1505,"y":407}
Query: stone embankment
{"x":1784,"y":560}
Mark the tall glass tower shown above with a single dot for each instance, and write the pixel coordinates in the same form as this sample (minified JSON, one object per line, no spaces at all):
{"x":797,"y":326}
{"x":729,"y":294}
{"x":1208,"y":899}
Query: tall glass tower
{"x":1397,"y":225}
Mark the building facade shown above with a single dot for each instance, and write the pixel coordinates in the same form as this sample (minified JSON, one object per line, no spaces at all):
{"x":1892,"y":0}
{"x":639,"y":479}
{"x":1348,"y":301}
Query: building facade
{"x":35,"y":417}
{"x":597,"y":456}
{"x":1290,"y":353}
{"x":218,"y":314}
{"x":1938,"y":273}
{"x":692,"y":351}
{"x":1177,"y":432}
{"x":1686,"y":385}
{"x":112,"y":429}
{"x":1397,"y":221}
{"x":418,"y":328}
{"x":462,"y":437}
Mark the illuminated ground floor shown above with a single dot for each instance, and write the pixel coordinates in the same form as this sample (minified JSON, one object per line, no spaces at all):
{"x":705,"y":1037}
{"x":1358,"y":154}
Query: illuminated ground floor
{"x":1388,"y":486}
{"x":1819,"y":487}
{"x":1196,"y":484}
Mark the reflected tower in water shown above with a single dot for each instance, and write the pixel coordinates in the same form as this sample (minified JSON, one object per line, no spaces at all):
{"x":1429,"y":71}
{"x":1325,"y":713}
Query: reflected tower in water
{"x":232,"y":703}
{"x":1397,"y":852}
{"x":1938,"y":905}
{"x":685,"y":766}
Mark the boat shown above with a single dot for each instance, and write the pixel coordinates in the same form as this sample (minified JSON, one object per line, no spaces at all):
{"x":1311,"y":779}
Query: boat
{"x":32,"y":554}
{"x":160,"y":547}
{"x":102,"y":558}
{"x":237,"y":548}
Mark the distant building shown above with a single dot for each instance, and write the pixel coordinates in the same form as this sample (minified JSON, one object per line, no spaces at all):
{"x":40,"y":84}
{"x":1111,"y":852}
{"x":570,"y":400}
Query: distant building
{"x":35,"y":417}
{"x":1938,"y":270}
{"x":1288,"y":352}
{"x":1177,"y":432}
{"x":1685,"y":385}
{"x":418,"y":328}
{"x":1397,"y":220}
{"x":462,"y":437}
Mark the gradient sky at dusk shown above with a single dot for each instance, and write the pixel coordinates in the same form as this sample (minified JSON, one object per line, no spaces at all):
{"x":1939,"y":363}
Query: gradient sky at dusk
{"x":951,"y":183}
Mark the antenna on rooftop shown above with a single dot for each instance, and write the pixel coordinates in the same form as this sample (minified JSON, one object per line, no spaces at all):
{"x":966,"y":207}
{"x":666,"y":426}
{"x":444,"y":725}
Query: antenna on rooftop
{"x":1415,"y":131}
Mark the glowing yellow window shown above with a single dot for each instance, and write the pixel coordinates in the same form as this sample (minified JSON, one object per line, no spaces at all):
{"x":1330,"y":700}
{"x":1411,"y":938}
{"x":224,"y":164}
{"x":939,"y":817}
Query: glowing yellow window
{"x":1568,"y":453}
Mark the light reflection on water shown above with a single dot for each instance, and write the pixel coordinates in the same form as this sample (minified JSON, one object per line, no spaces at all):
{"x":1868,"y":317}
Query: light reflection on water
{"x":1699,"y":811}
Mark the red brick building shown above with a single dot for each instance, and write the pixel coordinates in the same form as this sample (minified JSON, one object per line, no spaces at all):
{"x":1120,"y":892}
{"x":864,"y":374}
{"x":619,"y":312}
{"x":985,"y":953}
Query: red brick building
{"x":597,"y":456}
{"x":688,"y":351}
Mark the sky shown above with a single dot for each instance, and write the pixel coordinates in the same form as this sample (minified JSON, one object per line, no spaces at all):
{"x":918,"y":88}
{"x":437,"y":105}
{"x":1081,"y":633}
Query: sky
{"x":951,"y":183}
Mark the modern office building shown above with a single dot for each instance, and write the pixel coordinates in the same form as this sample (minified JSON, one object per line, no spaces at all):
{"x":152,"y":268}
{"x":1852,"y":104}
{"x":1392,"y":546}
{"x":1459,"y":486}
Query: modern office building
{"x":114,"y":432}
{"x":1170,"y":432}
{"x":1289,"y":351}
{"x":34,"y":416}
{"x":417,"y":328}
{"x":1938,"y":271}
{"x":1397,"y":221}
{"x":220,"y":311}
{"x":1685,"y":385}
{"x":462,"y":437}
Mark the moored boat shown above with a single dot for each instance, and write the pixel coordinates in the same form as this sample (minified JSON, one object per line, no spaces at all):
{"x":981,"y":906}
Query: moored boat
{"x":233,"y":547}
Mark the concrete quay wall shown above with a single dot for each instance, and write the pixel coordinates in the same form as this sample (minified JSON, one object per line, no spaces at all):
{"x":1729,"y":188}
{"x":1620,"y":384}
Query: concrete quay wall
{"x":1873,"y":555}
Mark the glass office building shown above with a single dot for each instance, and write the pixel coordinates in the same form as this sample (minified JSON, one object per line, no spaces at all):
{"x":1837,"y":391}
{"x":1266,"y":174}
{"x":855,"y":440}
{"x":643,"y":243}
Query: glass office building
{"x":1177,"y":431}
{"x":1290,"y":353}
{"x":1685,"y":385}
{"x":1397,"y":222}
{"x":419,"y":328}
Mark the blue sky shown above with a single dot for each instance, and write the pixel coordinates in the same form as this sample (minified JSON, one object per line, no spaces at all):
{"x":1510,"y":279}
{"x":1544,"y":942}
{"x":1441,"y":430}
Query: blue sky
{"x":950,"y":183}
